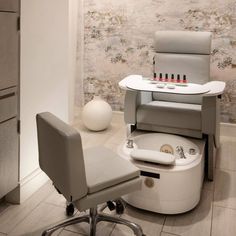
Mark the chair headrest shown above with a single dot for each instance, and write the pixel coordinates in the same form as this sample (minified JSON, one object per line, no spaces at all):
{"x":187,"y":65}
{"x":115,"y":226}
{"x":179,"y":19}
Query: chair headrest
{"x":182,"y":42}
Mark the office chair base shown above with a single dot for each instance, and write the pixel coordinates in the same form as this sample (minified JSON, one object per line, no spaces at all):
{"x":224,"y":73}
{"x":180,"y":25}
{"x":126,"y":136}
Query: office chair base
{"x":93,"y":218}
{"x":70,"y":209}
{"x":117,"y":205}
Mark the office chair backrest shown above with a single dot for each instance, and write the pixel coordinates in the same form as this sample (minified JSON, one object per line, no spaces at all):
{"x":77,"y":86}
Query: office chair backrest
{"x":61,"y":156}
{"x":184,"y":53}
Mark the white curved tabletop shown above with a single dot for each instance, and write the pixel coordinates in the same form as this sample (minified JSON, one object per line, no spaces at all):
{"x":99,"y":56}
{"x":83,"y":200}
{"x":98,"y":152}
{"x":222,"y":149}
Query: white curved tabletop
{"x":137,"y":82}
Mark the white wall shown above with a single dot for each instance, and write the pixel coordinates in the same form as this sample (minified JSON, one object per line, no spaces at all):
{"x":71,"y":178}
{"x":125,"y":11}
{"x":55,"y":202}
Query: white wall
{"x":79,"y":94}
{"x":47,"y":69}
{"x":74,"y":9}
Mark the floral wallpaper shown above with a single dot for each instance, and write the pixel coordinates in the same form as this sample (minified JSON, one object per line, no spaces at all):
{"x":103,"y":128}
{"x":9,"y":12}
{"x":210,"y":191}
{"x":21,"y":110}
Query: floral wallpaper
{"x":118,"y":38}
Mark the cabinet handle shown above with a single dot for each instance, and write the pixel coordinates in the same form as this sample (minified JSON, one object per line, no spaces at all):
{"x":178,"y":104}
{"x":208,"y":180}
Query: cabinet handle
{"x":7,"y":95}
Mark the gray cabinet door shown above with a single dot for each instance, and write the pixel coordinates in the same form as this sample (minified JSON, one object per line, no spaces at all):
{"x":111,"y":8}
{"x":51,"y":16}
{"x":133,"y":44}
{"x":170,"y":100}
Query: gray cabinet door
{"x":8,"y":104}
{"x":8,"y":156}
{"x":9,"y":5}
{"x":9,"y":50}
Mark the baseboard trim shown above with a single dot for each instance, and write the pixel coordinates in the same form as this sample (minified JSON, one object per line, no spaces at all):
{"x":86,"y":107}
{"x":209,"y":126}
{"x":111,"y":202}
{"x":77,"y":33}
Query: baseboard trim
{"x":228,"y":129}
{"x":27,"y":186}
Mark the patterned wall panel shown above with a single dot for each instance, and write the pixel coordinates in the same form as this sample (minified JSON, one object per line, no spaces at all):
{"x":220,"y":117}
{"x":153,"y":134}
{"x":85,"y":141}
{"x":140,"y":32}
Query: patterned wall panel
{"x":118,"y":37}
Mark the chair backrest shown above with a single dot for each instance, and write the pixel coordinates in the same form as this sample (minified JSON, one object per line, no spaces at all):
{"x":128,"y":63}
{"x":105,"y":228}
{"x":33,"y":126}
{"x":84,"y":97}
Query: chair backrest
{"x":61,"y":156}
{"x":184,"y":53}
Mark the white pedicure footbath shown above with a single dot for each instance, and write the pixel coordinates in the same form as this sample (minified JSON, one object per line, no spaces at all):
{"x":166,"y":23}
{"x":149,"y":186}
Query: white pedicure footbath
{"x":172,"y":169}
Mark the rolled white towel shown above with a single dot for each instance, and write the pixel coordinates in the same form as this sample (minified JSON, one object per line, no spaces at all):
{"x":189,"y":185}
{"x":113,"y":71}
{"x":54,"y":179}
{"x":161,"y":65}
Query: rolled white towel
{"x":153,"y":156}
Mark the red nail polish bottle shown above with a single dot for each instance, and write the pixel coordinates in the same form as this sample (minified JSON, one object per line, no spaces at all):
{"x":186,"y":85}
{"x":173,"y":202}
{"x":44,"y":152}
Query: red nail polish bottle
{"x":166,"y":78}
{"x":154,"y":76}
{"x":178,"y":78}
{"x":172,"y":78}
{"x":184,"y":79}
{"x":160,"y":77}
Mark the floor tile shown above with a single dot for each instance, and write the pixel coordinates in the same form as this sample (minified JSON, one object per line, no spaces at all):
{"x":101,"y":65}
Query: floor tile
{"x":225,"y":188}
{"x":14,"y":214}
{"x":113,"y":134}
{"x":118,"y":117}
{"x":208,"y":185}
{"x":81,"y":228}
{"x":42,"y":217}
{"x":103,"y":228}
{"x":69,"y":233}
{"x":56,"y":199}
{"x":168,"y":234}
{"x":196,"y":222}
{"x":151,"y":223}
{"x":3,"y":206}
{"x":226,"y":155}
{"x":91,"y":139}
{"x":115,"y":140}
{"x":223,"y":222}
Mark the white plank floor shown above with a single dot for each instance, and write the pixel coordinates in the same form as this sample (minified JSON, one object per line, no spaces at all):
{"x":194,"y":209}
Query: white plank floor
{"x":214,"y":216}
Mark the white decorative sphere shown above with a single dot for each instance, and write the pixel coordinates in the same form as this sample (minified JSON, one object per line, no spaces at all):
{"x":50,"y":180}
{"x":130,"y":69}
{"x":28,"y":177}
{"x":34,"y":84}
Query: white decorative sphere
{"x":97,"y":114}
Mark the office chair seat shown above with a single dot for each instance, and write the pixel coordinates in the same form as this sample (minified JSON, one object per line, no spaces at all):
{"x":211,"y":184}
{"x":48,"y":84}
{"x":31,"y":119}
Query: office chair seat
{"x":105,"y":169}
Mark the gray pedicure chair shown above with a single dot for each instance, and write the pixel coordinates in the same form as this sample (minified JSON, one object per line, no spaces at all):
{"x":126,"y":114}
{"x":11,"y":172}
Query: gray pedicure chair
{"x":179,"y":52}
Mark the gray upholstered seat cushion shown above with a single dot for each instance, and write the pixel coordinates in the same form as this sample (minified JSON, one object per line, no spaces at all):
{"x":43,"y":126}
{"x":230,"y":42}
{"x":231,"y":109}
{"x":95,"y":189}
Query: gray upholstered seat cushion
{"x":105,"y":169}
{"x":107,"y":194}
{"x":170,"y":114}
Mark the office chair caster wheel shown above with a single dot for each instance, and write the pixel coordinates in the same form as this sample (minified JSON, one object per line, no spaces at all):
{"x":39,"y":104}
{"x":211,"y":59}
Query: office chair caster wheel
{"x":111,"y":205}
{"x":119,"y":207}
{"x":70,"y":209}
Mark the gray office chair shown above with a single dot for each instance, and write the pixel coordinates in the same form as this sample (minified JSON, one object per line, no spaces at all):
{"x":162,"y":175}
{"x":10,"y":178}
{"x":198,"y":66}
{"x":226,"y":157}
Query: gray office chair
{"x":184,"y":53}
{"x":85,"y":177}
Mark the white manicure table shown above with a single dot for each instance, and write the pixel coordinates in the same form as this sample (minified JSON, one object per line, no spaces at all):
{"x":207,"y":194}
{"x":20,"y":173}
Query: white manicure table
{"x":137,"y":82}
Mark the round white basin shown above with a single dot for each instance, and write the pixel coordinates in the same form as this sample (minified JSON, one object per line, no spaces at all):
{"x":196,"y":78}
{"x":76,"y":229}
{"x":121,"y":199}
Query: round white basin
{"x":172,"y":170}
{"x":152,"y":146}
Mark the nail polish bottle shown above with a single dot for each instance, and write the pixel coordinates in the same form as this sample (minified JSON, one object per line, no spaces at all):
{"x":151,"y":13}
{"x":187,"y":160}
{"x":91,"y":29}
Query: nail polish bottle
{"x":172,"y":78}
{"x":184,"y":79}
{"x":178,"y":78}
{"x":166,"y":78}
{"x":160,"y":77}
{"x":154,"y":76}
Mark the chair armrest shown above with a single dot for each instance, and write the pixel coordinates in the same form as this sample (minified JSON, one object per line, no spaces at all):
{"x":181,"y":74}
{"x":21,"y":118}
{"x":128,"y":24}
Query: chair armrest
{"x":215,"y":88}
{"x":211,"y":117}
{"x":130,"y":105}
{"x":122,"y":83}
{"x":133,"y":99}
